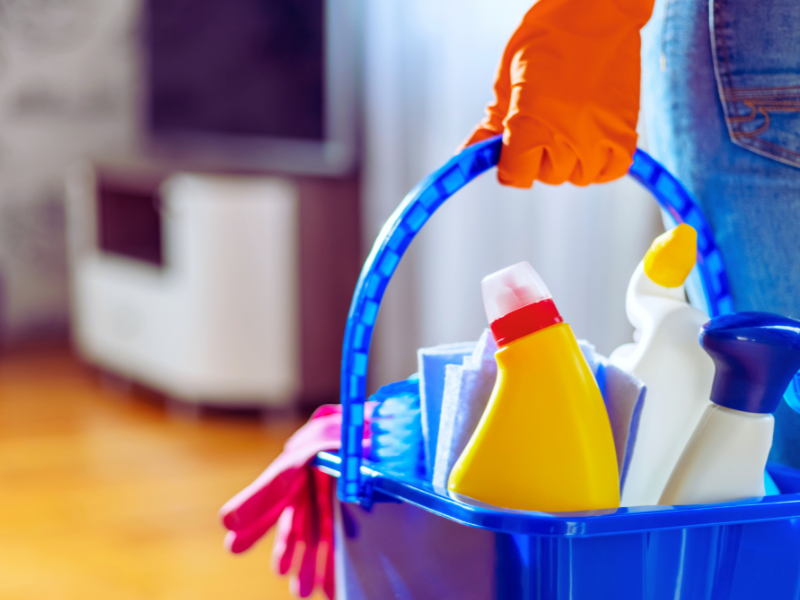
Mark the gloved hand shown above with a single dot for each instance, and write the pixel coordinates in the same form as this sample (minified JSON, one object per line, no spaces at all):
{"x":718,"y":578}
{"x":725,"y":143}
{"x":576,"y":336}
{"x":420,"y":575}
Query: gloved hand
{"x":567,"y":93}
{"x":298,"y":497}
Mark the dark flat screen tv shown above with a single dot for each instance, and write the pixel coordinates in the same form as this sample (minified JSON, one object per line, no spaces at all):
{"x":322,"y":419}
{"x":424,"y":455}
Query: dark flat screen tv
{"x":252,"y":84}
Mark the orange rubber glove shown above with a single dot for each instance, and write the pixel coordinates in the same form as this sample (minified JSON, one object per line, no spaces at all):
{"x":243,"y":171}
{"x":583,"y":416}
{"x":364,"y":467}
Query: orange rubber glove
{"x":567,"y":93}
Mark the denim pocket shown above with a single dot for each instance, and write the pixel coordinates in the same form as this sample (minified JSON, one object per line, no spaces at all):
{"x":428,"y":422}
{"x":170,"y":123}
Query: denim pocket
{"x":756,"y":48}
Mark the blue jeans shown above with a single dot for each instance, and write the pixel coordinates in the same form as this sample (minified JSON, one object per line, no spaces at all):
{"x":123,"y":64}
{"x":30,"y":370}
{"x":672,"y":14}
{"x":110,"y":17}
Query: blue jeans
{"x":721,"y":102}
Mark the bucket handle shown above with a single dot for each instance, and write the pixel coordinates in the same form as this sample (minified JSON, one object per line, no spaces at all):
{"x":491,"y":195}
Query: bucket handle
{"x":404,"y":224}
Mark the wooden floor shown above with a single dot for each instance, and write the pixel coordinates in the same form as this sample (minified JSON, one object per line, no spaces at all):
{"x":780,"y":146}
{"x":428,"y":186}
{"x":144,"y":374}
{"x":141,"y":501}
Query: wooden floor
{"x":106,"y":496}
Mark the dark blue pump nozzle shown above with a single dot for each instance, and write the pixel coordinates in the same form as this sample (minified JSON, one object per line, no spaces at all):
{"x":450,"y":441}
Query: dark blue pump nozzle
{"x":756,"y":355}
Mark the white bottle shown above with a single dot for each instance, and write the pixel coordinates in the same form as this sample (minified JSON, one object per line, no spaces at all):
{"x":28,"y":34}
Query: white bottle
{"x":756,"y":356}
{"x":724,"y":460}
{"x":668,"y":359}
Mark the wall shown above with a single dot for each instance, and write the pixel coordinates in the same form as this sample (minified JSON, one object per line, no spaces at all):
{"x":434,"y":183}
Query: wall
{"x":66,"y":91}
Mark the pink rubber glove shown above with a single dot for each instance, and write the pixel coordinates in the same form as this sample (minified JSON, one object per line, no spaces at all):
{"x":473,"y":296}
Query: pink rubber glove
{"x":306,"y":526}
{"x":297,"y":497}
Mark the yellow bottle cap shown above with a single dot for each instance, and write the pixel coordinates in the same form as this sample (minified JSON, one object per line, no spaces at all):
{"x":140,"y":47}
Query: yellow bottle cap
{"x":672,"y":256}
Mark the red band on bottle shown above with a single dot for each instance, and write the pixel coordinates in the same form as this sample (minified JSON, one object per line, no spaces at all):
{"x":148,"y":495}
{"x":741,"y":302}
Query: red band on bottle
{"x":525,"y":321}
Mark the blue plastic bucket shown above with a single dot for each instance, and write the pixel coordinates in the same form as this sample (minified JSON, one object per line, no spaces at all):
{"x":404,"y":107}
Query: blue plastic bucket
{"x":746,"y":549}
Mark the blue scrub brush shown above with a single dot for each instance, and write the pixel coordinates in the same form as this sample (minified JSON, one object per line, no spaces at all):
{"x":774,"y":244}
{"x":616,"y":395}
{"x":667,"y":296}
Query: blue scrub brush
{"x":397,"y":442}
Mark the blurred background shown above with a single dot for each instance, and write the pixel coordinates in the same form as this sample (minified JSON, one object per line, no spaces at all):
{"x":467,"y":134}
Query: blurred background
{"x":188,"y":189}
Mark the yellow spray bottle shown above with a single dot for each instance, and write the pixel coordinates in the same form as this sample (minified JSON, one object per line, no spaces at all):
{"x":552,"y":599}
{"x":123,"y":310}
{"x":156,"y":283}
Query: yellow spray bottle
{"x":544,"y":442}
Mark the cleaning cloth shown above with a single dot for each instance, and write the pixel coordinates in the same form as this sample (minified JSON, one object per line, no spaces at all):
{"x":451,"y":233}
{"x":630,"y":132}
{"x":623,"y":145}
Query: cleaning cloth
{"x":432,"y":363}
{"x":624,"y":396}
{"x":467,"y":388}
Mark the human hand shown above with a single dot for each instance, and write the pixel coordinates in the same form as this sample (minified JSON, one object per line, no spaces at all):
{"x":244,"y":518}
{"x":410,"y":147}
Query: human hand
{"x":567,"y":93}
